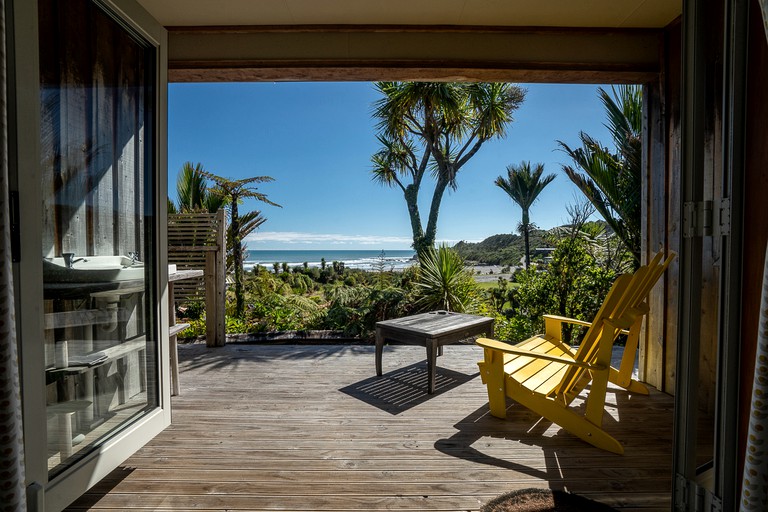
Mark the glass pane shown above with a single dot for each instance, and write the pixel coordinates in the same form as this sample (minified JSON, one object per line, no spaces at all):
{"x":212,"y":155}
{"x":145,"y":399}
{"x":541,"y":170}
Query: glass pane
{"x":100,"y":345}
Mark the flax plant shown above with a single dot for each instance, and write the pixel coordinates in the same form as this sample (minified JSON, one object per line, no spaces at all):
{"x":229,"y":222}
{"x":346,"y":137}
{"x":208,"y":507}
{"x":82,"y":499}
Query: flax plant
{"x":445,"y":282}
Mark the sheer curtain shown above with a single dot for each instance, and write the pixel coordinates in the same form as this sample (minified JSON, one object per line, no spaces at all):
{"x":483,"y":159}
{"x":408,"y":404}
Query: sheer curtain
{"x":11,"y":442}
{"x":754,"y":485}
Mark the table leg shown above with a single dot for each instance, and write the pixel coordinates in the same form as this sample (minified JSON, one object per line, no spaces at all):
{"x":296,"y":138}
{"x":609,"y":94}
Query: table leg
{"x":379,"y":350}
{"x":431,"y":365}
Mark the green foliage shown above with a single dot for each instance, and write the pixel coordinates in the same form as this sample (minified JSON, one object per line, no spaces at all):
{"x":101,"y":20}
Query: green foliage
{"x":611,"y":179}
{"x":574,"y":285}
{"x":355,"y":310}
{"x":193,"y":193}
{"x":444,"y":282}
{"x":196,"y":328}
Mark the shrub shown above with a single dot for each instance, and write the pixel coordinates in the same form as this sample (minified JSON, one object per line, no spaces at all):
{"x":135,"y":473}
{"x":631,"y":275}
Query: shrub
{"x":444,"y":282}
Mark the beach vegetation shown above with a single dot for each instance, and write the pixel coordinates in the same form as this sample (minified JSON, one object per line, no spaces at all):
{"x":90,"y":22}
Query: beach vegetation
{"x":428,"y":128}
{"x":302,"y":298}
{"x":193,"y":193}
{"x":235,"y":191}
{"x":445,"y":282}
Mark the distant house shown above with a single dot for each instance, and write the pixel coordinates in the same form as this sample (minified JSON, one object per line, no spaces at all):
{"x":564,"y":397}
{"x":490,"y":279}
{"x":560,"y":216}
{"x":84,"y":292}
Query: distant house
{"x":545,"y":253}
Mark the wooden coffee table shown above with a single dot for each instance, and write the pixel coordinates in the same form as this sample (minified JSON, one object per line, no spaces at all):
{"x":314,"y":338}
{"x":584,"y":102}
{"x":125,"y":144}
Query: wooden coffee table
{"x":431,"y":330}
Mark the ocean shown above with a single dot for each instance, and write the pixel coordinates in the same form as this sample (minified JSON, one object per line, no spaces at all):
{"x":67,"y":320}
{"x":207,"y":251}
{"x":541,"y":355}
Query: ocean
{"x":362,"y":259}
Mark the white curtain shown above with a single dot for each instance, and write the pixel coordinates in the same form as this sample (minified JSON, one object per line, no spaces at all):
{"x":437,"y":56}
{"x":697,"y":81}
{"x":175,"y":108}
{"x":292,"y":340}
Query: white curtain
{"x":754,"y":486}
{"x":12,"y":495}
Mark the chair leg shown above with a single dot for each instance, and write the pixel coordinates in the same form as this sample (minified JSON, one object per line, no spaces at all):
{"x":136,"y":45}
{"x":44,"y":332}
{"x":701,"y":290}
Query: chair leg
{"x":492,"y":375}
{"x":379,"y":350}
{"x":574,"y":423}
{"x":630,"y":385}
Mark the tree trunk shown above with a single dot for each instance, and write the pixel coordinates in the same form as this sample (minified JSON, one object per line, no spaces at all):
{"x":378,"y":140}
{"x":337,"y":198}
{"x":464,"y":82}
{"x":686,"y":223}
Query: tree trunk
{"x":434,"y":211}
{"x":411,"y":194}
{"x":237,"y":260}
{"x":526,"y":228}
{"x":527,"y":247}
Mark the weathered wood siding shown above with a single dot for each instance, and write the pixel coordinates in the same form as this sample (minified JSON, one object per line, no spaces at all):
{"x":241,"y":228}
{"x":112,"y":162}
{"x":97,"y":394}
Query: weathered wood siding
{"x":662,"y":213}
{"x":93,"y":145}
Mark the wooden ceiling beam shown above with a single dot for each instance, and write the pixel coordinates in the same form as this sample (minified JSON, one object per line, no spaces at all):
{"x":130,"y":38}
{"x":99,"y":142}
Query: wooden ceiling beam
{"x":205,"y":54}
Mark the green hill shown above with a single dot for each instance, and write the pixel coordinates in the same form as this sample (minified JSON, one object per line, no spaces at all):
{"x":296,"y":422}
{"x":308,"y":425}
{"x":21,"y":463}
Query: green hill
{"x":505,"y":249}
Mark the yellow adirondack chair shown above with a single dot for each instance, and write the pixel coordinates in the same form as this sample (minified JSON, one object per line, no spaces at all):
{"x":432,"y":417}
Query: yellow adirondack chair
{"x":545,"y":375}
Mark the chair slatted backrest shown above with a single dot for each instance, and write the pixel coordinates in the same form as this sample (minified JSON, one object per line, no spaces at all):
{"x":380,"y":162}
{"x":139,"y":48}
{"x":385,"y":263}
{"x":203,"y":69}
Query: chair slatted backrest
{"x":594,"y":333}
{"x":617,"y":314}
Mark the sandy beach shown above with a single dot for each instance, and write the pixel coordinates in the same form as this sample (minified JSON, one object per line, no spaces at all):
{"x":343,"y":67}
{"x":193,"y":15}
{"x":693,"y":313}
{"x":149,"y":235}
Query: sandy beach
{"x":489,"y":273}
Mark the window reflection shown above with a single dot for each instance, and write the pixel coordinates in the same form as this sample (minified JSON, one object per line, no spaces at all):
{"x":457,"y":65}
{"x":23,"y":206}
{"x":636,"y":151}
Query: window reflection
{"x":99,"y":327}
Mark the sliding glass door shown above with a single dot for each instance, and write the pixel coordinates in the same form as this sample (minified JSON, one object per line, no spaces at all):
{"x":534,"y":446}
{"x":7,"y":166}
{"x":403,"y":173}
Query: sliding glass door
{"x":94,"y":386}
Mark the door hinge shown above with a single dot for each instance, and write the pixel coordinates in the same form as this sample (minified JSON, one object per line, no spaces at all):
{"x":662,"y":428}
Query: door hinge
{"x":681,"y":493}
{"x":722,"y":222}
{"x":691,"y":497}
{"x":707,"y":218}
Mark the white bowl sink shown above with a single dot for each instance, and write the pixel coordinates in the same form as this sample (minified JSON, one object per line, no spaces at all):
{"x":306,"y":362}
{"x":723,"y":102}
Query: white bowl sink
{"x":92,"y":269}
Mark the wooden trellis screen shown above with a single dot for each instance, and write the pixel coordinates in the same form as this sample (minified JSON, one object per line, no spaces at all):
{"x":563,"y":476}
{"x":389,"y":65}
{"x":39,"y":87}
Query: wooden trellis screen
{"x":198,"y":241}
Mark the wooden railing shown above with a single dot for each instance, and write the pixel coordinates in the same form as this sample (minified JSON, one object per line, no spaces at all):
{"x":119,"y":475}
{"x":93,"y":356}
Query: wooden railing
{"x":198,"y":241}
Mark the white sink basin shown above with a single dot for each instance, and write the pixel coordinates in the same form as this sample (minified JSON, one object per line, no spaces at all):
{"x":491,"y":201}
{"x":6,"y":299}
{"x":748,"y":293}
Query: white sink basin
{"x":92,"y":269}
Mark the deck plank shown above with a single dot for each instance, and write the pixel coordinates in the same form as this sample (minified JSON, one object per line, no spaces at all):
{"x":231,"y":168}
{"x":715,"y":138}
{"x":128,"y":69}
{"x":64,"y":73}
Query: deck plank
{"x":261,"y":427}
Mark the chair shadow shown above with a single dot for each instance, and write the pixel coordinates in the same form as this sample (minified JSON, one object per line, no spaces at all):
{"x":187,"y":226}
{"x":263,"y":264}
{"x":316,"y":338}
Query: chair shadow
{"x":402,"y":389}
{"x":480,"y":424}
{"x":525,"y":427}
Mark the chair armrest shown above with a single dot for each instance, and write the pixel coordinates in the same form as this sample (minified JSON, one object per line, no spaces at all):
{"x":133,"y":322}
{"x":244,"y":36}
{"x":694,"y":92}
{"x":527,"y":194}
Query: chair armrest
{"x":509,"y":349}
{"x":566,"y":320}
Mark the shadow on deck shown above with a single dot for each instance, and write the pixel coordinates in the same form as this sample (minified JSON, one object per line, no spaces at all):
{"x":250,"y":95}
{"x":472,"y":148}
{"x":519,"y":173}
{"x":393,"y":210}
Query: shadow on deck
{"x":262,"y":427}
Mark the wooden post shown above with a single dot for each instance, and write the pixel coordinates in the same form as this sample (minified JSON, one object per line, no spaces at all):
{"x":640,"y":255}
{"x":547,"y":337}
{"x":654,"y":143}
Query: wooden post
{"x":221,"y":278}
{"x":211,"y":307}
{"x":215,"y":286}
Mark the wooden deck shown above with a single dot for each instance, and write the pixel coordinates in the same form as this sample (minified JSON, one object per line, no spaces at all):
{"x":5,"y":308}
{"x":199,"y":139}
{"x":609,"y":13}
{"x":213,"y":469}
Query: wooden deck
{"x":311,"y":428}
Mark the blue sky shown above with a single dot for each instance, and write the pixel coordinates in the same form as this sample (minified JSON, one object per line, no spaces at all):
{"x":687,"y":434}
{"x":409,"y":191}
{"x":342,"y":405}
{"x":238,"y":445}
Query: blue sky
{"x":316,"y":140}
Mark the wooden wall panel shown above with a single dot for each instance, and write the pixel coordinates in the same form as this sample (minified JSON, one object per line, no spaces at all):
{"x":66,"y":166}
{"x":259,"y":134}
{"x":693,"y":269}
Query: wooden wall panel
{"x":93,"y":120}
{"x":672,"y":88}
{"x":75,"y":144}
{"x":654,"y":230}
{"x":125,"y":128}
{"x":49,"y":124}
{"x":103,"y":168}
{"x":661,"y":216}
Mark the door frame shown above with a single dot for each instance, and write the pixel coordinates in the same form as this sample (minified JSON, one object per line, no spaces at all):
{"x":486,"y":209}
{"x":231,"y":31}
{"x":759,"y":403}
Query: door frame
{"x":25,"y":173}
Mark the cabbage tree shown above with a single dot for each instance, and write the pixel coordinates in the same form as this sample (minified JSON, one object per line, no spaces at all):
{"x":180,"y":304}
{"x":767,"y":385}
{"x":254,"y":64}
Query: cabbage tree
{"x":428,"y":128}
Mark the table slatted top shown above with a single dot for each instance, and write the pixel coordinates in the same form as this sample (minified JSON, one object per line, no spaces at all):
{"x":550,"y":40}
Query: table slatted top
{"x":434,"y":323}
